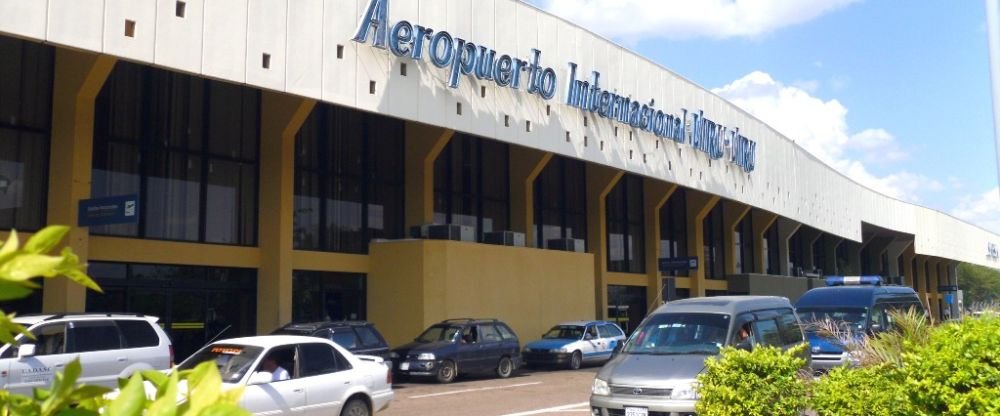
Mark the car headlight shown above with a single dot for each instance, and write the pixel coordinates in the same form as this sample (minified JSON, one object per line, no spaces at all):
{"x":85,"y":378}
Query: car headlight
{"x":685,"y":392}
{"x":393,"y":354}
{"x":426,"y":356}
{"x":600,"y":387}
{"x":562,"y":349}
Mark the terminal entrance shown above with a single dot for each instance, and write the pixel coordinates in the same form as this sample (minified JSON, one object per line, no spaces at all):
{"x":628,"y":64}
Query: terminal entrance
{"x":195,"y":304}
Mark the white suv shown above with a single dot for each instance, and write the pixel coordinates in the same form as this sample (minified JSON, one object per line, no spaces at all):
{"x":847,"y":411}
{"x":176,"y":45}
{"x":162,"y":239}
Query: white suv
{"x":109,"y":346}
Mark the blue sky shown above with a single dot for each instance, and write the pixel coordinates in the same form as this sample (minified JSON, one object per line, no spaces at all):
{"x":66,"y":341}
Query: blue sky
{"x":895,"y":97}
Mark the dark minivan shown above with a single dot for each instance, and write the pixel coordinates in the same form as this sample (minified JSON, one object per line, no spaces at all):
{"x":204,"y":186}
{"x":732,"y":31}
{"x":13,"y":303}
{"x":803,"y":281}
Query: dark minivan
{"x":454,"y":346}
{"x":860,"y":304}
{"x":358,"y":337}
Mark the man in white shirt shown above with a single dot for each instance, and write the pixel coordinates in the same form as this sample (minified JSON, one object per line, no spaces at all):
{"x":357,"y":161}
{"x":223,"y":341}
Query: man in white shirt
{"x":271,"y":365}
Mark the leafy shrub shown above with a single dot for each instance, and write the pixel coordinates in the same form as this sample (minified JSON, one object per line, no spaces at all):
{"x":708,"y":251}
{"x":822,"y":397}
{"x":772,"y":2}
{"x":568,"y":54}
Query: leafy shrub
{"x":765,"y":381}
{"x":866,"y":391}
{"x":957,"y":372}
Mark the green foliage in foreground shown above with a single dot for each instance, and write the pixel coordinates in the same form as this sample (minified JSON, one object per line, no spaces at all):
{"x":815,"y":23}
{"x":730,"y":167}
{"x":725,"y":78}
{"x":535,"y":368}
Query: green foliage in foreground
{"x":866,"y":391}
{"x":18,"y":266}
{"x":766,"y":381}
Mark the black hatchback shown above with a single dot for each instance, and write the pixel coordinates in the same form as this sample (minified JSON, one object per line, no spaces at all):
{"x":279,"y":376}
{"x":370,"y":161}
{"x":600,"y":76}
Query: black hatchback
{"x":448,"y":348}
{"x":358,"y":337}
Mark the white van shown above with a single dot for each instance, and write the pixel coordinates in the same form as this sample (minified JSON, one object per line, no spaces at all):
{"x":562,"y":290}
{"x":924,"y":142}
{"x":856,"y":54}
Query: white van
{"x":109,"y":346}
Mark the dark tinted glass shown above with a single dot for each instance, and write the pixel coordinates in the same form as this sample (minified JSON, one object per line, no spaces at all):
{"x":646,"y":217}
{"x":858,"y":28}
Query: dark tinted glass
{"x":626,"y":227}
{"x":94,"y":336}
{"x":316,"y":359}
{"x":673,"y":228}
{"x":505,"y":332}
{"x":488,"y":333}
{"x":560,"y":200}
{"x":328,"y":296}
{"x":471,"y":185}
{"x":345,"y":337}
{"x":138,"y":334}
{"x":368,"y":337}
{"x":26,"y":73}
{"x":766,"y":332}
{"x":791,"y":332}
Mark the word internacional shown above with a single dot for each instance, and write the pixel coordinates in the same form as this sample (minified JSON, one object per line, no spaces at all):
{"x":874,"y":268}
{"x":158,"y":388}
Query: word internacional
{"x":461,"y":57}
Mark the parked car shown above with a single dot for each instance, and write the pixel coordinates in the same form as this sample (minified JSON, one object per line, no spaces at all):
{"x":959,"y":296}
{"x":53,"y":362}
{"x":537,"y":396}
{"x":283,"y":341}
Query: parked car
{"x":654,"y":372}
{"x":459,"y":346}
{"x":572,"y":344}
{"x":109,"y":346}
{"x":319,"y":377}
{"x":859,"y":304}
{"x":358,"y":337}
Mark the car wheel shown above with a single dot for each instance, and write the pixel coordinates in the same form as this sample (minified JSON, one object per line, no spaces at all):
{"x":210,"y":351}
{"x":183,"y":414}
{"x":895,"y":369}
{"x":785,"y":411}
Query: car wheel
{"x":447,"y":371}
{"x":355,"y":407}
{"x":505,"y":367}
{"x":575,"y":360}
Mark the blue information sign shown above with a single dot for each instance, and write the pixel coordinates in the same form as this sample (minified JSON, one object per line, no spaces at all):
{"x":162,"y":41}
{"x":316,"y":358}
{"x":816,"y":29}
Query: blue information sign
{"x":122,"y":209}
{"x":670,"y":264}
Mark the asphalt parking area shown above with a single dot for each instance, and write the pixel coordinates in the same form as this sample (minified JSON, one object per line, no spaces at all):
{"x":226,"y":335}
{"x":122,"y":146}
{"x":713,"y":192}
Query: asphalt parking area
{"x":527,"y":392}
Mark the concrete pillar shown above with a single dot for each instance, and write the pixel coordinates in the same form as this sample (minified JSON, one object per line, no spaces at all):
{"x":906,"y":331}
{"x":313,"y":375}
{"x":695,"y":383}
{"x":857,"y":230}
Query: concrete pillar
{"x":699,"y":204}
{"x":920,"y":280}
{"x":809,"y":237}
{"x":281,"y":117}
{"x":909,"y":275}
{"x":655,"y":194}
{"x":78,"y":79}
{"x":525,"y":165}
{"x":853,"y":258}
{"x":600,"y":181}
{"x":732,"y":214}
{"x":895,"y":251}
{"x":786,"y":229}
{"x":762,"y":221}
{"x":875,"y":248}
{"x":830,"y":243}
{"x":423,"y":145}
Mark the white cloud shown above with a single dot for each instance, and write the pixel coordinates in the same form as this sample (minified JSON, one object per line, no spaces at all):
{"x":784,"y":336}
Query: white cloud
{"x":820,"y":127}
{"x":685,"y":19}
{"x":982,"y":209}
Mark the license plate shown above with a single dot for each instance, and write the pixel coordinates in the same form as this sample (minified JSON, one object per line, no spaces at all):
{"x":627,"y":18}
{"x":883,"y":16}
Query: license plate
{"x":636,"y":411}
{"x":404,"y":366}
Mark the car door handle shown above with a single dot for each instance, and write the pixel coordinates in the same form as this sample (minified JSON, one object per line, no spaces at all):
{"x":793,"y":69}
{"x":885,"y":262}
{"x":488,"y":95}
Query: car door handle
{"x":60,"y":365}
{"x":298,"y":390}
{"x":122,"y":359}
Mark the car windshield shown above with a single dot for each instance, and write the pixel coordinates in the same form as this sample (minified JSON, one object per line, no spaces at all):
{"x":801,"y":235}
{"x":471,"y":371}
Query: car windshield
{"x":679,"y":333}
{"x":233,"y":361}
{"x":854,"y":318}
{"x":564,"y":332}
{"x":439,"y":333}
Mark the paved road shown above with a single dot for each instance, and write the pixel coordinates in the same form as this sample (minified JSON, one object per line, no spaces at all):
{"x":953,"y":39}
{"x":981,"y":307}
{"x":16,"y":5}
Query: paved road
{"x":548,"y":393}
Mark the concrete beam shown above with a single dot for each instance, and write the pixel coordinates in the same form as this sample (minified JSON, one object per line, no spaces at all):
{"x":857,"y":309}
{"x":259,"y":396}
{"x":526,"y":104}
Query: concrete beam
{"x":655,"y":194}
{"x":600,"y":181}
{"x":762,"y":221}
{"x":786,"y":229}
{"x":896,"y":249}
{"x":809,"y":237}
{"x":525,"y":165}
{"x":423,"y":145}
{"x":699,"y":204}
{"x":732,"y":213}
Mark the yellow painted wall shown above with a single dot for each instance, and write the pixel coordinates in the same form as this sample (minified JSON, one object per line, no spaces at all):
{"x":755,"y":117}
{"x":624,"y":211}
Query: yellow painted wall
{"x":415,"y":283}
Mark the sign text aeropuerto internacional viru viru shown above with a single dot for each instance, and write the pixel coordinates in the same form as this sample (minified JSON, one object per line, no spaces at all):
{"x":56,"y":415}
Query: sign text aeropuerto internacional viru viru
{"x":464,"y":58}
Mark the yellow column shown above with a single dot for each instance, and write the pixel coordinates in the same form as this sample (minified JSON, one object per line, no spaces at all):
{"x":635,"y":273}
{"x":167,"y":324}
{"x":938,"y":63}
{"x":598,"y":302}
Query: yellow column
{"x":920,"y":280}
{"x":762,"y":221}
{"x":281,"y":117}
{"x":699,"y":204}
{"x":600,"y":181}
{"x":525,"y":165}
{"x":423,"y":145}
{"x":655,"y":194}
{"x":78,"y":79}
{"x":909,"y":275}
{"x":732,"y":213}
{"x":933,"y":295}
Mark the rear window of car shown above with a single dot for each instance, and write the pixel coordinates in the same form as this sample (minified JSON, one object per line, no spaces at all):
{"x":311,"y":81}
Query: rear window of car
{"x":93,"y":336}
{"x":610,"y":331}
{"x":345,"y":337}
{"x":488,"y":333}
{"x":138,"y":334}
{"x":368,"y":336}
{"x":505,"y":332}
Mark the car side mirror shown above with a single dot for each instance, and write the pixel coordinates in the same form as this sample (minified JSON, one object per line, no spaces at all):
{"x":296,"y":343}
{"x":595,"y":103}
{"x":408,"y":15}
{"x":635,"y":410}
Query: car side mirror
{"x":876,"y":328}
{"x":25,"y":350}
{"x":260,"y":377}
{"x":618,"y":348}
{"x":745,"y":345}
{"x":587,"y":337}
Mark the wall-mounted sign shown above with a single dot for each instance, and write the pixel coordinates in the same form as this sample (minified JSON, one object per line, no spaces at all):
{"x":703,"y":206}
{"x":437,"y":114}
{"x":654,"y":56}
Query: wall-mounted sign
{"x":670,"y":264}
{"x":991,"y":251}
{"x":464,"y":58}
{"x":122,"y":209}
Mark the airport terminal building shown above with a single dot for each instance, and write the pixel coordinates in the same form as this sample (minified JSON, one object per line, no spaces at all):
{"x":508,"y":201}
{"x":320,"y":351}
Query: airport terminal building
{"x":233,"y":165}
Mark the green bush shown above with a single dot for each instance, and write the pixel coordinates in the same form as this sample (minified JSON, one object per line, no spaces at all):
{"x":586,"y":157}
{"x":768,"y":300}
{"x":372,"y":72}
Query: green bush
{"x":957,"y":372}
{"x":866,"y":391}
{"x":765,"y":381}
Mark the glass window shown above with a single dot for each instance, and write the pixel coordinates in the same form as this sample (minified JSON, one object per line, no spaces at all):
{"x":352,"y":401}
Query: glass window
{"x":791,"y":332}
{"x":592,"y":331}
{"x":368,"y":336}
{"x":138,"y":334}
{"x":49,"y":339}
{"x":673,"y":228}
{"x":771,"y":249}
{"x":471,"y":184}
{"x":26,"y":73}
{"x":766,"y":332}
{"x":233,"y":361}
{"x":328,"y":296}
{"x":187,"y":146}
{"x":345,"y":337}
{"x":679,"y":333}
{"x":561,"y":201}
{"x":505,"y":332}
{"x":626,"y":242}
{"x":489,"y":333}
{"x":348,"y":180}
{"x":714,"y":252}
{"x":94,"y":336}
{"x":317,"y":359}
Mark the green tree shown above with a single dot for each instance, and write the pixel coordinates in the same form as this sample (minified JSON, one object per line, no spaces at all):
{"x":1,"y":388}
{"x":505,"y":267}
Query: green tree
{"x":979,"y":284}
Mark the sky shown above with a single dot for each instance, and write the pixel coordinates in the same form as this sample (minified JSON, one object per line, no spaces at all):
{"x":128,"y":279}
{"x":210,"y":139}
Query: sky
{"x":895,"y":95}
